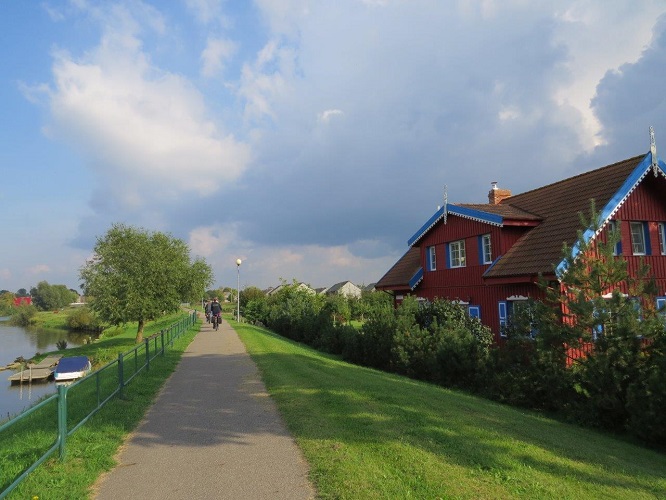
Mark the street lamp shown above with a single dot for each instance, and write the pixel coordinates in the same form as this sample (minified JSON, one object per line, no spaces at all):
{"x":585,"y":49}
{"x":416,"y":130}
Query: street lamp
{"x":238,"y":263}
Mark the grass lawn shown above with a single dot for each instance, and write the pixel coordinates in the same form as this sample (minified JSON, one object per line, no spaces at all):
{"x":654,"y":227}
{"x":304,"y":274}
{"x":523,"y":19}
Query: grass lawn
{"x":369,"y":434}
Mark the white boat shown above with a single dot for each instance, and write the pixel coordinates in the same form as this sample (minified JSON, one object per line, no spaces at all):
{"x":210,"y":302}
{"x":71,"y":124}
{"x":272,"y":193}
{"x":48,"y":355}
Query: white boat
{"x":72,"y":368}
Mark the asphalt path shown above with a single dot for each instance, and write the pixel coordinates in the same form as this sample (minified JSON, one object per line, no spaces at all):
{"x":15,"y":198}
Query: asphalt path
{"x":213,"y":432}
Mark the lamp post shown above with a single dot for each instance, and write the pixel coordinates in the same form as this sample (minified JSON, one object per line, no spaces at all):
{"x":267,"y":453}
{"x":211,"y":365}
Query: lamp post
{"x":238,"y":263}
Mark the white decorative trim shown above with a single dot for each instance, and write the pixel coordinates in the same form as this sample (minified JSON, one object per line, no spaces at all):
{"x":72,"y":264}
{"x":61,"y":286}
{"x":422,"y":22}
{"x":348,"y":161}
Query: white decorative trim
{"x":517,"y":297}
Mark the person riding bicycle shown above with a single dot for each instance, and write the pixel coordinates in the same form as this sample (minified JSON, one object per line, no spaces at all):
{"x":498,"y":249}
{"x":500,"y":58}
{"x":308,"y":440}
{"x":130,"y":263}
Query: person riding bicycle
{"x":207,"y":311}
{"x":216,"y":309}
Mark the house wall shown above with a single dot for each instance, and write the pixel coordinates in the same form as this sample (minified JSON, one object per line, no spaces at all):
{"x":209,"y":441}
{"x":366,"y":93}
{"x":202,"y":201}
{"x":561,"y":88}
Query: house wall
{"x":466,"y":284}
{"x":645,"y":204}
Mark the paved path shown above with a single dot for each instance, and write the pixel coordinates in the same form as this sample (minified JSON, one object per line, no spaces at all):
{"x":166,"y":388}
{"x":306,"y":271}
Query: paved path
{"x":212,"y":433}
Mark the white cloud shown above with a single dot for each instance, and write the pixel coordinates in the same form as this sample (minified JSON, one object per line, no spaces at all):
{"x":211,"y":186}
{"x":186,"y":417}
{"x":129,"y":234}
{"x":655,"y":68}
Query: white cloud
{"x":599,"y":37}
{"x":325,"y":116}
{"x":217,"y":52}
{"x":146,"y":132}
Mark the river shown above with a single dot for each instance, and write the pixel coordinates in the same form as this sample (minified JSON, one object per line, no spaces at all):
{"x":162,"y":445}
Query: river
{"x":17,"y":341}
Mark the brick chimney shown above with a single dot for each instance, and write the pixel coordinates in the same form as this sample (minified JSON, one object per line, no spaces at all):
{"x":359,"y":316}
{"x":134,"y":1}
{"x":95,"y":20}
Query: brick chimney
{"x":496,"y":195}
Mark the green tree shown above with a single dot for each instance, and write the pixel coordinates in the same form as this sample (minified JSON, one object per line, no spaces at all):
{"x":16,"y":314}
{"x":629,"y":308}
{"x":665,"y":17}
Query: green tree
{"x":605,"y":305}
{"x":249,"y":294}
{"x":137,"y":275}
{"x":6,"y":303}
{"x":48,"y":297}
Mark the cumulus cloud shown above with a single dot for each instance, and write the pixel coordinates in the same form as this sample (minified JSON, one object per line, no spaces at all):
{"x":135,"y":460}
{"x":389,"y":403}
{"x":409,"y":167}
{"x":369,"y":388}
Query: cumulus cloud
{"x":145,"y":131}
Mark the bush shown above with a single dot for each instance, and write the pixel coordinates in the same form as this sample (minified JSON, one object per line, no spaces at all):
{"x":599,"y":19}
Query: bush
{"x":23,"y":315}
{"x":82,"y":318}
{"x":646,"y":398}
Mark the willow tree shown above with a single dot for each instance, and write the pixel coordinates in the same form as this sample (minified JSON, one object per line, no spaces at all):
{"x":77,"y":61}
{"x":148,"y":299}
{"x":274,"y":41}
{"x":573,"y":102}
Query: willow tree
{"x":137,"y":275}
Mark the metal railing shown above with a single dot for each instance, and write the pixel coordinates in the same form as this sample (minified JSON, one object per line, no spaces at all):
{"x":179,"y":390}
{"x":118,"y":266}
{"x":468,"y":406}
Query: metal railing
{"x":86,"y":397}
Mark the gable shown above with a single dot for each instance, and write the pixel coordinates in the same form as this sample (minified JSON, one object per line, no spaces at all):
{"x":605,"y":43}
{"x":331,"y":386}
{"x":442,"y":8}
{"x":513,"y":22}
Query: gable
{"x":495,"y":215}
{"x":617,"y":201}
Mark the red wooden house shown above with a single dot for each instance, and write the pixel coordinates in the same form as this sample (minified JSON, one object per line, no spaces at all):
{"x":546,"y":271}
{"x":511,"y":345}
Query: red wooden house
{"x":22,"y":301}
{"x":489,"y":256}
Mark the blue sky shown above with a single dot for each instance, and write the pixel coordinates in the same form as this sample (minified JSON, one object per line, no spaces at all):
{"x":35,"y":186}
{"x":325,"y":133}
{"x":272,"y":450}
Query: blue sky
{"x":310,"y":139}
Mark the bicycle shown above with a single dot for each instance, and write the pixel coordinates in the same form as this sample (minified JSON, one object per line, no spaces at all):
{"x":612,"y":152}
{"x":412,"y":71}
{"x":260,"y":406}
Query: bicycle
{"x":216,"y":321}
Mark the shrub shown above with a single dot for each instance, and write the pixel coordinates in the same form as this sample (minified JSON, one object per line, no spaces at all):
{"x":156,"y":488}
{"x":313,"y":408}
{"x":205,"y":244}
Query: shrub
{"x":23,"y":315}
{"x":646,"y":398}
{"x":82,"y":318}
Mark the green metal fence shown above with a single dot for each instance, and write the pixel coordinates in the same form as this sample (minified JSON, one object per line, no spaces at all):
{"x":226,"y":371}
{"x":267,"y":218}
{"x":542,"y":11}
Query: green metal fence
{"x":82,"y":399}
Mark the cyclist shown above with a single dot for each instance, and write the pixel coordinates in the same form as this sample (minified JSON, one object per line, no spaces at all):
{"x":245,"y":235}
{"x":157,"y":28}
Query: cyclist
{"x":216,"y":311}
{"x":207,"y":311}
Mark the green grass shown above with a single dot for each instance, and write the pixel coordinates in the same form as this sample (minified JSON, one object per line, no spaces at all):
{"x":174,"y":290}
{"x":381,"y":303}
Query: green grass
{"x":369,"y":434}
{"x":90,"y":450}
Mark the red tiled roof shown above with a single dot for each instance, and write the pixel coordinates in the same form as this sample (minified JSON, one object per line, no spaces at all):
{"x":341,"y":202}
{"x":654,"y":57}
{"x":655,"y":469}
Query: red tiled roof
{"x":402,"y":271}
{"x":558,"y":205}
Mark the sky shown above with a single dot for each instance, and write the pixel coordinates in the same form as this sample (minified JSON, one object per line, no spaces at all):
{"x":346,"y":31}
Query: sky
{"x":310,"y":139}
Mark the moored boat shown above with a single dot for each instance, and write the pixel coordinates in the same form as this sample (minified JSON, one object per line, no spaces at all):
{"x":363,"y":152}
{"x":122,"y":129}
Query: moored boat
{"x":72,"y":368}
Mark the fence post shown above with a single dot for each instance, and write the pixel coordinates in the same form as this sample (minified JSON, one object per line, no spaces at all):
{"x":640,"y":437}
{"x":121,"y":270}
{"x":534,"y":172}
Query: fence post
{"x":162,"y":340}
{"x":147,"y":342}
{"x":62,"y":419}
{"x":121,"y":375}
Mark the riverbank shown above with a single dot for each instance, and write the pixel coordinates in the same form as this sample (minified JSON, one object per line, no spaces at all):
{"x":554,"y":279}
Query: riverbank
{"x":107,"y":429}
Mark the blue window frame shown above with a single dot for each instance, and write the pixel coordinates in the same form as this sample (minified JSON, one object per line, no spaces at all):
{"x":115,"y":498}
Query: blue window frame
{"x":662,"y":238}
{"x":502,"y":310}
{"x":474,"y":311}
{"x":432,"y":259}
{"x":661,"y":307}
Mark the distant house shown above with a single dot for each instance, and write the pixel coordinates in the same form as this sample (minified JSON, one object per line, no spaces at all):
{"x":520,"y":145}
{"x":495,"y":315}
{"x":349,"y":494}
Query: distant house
{"x":489,"y":256}
{"x":369,"y":288}
{"x":346,"y":288}
{"x":321,"y":291}
{"x":300,"y":286}
{"x":22,"y":301}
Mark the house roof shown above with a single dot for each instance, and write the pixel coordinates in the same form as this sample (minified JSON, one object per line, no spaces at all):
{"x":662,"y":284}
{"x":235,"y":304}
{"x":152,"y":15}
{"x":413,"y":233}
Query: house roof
{"x":559,"y":205}
{"x":553,"y":210}
{"x":338,"y":286}
{"x":399,"y":276}
{"x":497,"y":215}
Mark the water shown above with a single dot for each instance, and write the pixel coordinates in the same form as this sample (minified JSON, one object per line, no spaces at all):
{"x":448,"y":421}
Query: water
{"x":17,"y":341}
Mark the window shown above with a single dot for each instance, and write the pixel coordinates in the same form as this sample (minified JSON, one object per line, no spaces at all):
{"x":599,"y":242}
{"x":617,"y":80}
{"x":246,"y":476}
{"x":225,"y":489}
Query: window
{"x":457,"y":253}
{"x":474,"y":312}
{"x":618,"y":246}
{"x":638,"y":246}
{"x":662,"y":238}
{"x":661,"y":307}
{"x":432,"y":259}
{"x":485,"y":249}
{"x":502,"y":317}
